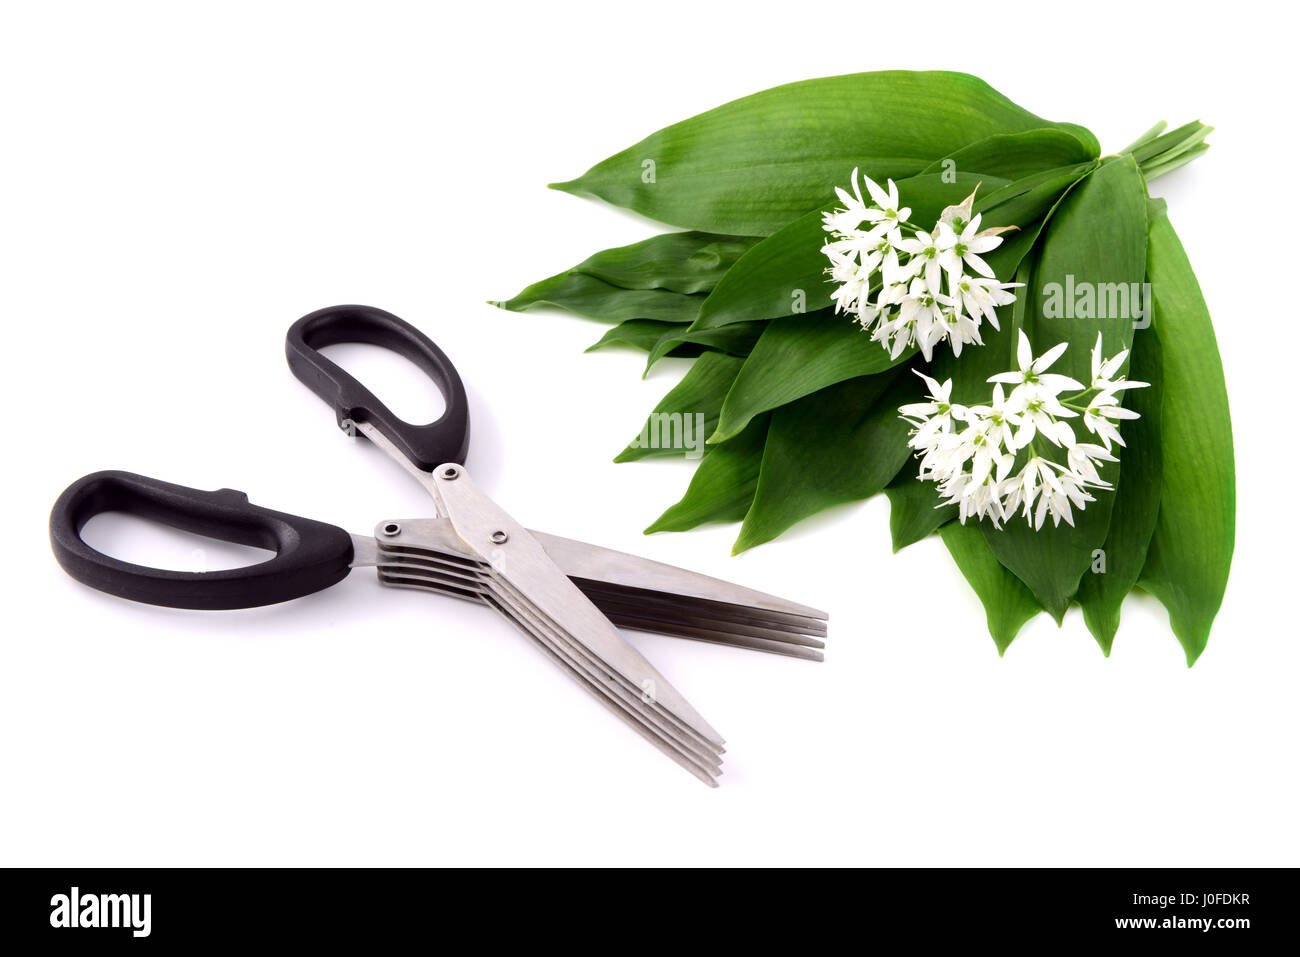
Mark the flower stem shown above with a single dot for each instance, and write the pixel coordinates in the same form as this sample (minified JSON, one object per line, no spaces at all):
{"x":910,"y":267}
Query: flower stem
{"x":1146,"y":137}
{"x":1158,"y":154}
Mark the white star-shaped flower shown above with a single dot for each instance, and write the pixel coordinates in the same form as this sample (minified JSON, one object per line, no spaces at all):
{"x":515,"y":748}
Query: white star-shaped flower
{"x":967,"y":246}
{"x":1033,"y":371}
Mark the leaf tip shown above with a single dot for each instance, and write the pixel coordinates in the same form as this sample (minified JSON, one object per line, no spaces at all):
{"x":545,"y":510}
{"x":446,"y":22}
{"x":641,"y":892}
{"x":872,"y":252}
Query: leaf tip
{"x":1193,"y":636}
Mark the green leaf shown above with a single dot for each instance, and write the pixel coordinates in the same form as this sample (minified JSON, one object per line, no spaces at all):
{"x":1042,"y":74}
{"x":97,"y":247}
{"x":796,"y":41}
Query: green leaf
{"x":1137,"y":499}
{"x":596,"y":299}
{"x":838,"y":445}
{"x":1191,"y":549}
{"x":680,"y":262}
{"x":1008,"y":604}
{"x":1015,"y":155}
{"x":638,"y":333}
{"x":737,"y":339}
{"x":723,"y":485}
{"x":785,"y":274}
{"x":914,"y":511}
{"x":752,"y":165}
{"x":1025,"y":200}
{"x":1045,"y":184}
{"x":691,"y":406}
{"x":797,"y":356}
{"x":1096,"y":239}
{"x":1016,"y":256}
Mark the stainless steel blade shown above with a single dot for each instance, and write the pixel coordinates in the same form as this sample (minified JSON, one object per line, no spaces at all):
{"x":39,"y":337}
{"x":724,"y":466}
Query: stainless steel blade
{"x":413,"y":564}
{"x":582,"y":560}
{"x":518,"y":560}
{"x":668,"y":619}
{"x":438,"y":536}
{"x":704,"y":765}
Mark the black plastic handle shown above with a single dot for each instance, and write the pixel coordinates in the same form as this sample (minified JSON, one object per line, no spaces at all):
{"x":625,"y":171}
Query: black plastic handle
{"x":427,"y":446}
{"x":309,"y":555}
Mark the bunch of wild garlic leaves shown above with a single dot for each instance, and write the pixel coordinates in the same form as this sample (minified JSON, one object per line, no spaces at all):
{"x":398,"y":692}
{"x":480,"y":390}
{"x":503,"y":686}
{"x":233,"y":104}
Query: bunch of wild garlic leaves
{"x":904,"y":282}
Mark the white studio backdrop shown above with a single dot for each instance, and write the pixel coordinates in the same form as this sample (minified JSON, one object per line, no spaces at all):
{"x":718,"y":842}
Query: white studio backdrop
{"x":181,"y":182}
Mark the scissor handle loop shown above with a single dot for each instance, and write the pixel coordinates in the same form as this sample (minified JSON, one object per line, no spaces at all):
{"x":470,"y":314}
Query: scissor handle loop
{"x":309,"y":555}
{"x":426,"y":446}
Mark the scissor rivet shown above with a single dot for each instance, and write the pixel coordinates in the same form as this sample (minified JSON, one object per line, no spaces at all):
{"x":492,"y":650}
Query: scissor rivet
{"x":499,"y":537}
{"x":392,"y":528}
{"x":450,"y":472}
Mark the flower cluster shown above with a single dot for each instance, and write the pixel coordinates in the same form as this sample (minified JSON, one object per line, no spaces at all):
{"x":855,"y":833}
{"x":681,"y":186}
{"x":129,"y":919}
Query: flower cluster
{"x":908,"y":286}
{"x":1020,"y":451}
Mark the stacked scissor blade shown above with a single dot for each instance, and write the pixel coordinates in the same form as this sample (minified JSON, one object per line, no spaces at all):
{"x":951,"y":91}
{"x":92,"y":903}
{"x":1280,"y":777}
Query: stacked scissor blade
{"x":638,"y":593}
{"x":682,"y":617}
{"x":626,"y":688}
{"x":568,"y":596}
{"x":641,"y":595}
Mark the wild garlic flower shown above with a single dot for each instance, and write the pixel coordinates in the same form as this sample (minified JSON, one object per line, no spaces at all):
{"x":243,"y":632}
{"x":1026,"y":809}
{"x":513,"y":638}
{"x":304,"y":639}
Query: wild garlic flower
{"x":988,"y":460}
{"x":906,"y":285}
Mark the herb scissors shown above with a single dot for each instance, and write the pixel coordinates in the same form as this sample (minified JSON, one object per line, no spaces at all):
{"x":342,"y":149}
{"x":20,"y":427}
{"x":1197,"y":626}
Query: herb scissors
{"x":566,"y":596}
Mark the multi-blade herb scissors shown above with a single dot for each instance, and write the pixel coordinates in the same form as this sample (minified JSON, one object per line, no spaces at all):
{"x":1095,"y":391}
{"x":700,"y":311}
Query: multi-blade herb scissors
{"x":566,"y":596}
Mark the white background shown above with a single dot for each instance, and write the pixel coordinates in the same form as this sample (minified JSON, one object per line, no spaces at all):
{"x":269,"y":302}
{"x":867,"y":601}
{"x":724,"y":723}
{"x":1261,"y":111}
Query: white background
{"x":180,"y":182}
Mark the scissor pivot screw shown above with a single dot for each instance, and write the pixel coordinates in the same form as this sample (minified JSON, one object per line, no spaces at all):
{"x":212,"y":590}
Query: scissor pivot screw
{"x":391,"y":529}
{"x":499,"y":537}
{"x":450,"y":472}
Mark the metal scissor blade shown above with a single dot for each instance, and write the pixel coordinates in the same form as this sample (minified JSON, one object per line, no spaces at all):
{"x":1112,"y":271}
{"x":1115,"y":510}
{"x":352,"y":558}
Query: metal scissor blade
{"x":519,"y":560}
{"x":637,"y":614}
{"x":690,"y":752}
{"x":623,"y":570}
{"x":706,"y":614}
{"x":617,"y":592}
